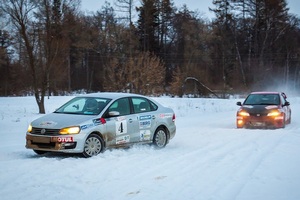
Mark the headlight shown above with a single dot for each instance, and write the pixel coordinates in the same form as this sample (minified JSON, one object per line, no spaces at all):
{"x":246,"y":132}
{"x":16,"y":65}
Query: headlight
{"x":70,"y":130}
{"x":243,"y":113}
{"x":274,"y":113}
{"x":29,"y":129}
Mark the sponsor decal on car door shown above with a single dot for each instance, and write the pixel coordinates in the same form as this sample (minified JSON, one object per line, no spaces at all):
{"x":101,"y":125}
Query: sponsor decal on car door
{"x":145,"y":122}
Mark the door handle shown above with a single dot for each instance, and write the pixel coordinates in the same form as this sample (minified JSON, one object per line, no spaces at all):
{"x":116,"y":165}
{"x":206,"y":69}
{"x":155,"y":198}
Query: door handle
{"x":130,"y":120}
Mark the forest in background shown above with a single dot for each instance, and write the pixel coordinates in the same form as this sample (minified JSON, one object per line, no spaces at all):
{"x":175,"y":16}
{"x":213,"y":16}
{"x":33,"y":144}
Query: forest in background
{"x":51,"y":47}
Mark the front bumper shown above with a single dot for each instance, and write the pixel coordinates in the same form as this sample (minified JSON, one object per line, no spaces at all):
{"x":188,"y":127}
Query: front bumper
{"x":67,"y":144}
{"x":260,"y":122}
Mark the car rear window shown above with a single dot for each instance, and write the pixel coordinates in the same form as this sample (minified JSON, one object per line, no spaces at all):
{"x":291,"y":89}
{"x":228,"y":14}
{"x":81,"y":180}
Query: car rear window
{"x":143,"y":105}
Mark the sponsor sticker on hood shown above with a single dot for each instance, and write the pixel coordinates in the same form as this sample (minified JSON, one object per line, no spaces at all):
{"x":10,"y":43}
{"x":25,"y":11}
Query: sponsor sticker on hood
{"x":271,"y":107}
{"x":48,"y":124}
{"x":248,"y":106}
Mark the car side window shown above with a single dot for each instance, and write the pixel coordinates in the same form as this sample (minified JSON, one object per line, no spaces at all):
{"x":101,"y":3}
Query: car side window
{"x":121,"y":105}
{"x":153,"y":106}
{"x":141,"y":105}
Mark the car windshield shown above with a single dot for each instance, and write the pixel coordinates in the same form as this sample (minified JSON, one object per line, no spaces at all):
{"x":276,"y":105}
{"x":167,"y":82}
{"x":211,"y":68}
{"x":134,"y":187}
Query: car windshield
{"x":262,"y":99}
{"x":84,"y":106}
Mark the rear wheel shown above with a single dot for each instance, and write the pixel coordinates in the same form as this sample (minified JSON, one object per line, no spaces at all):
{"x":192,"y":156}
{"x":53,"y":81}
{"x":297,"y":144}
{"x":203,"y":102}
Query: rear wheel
{"x":92,"y":146}
{"x":160,"y":138}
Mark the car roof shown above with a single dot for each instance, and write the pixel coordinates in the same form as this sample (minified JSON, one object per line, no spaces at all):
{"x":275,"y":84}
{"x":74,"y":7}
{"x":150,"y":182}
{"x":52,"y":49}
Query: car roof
{"x":266,"y":92}
{"x":111,"y":95}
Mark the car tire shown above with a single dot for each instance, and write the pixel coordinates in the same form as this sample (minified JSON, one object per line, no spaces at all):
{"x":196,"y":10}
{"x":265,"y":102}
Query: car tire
{"x":290,"y":119}
{"x":160,"y":138}
{"x":39,"y":152}
{"x":93,"y":145}
{"x":283,"y":123}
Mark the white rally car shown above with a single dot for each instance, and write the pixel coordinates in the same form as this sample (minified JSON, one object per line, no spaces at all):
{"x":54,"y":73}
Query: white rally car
{"x":90,"y":123}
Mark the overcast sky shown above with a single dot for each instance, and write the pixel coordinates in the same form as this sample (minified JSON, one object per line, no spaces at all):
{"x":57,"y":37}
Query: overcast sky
{"x":200,"y":5}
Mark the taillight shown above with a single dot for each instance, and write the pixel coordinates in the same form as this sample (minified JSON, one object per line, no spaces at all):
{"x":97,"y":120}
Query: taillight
{"x":173,"y":118}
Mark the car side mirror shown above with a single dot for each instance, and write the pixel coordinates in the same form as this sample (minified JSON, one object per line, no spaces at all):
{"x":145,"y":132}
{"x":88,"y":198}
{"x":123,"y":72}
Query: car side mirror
{"x":239,"y":103}
{"x":286,"y":103}
{"x":113,"y":113}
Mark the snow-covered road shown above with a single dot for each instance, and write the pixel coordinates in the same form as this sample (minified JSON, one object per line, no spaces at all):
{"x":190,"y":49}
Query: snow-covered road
{"x":209,"y":159}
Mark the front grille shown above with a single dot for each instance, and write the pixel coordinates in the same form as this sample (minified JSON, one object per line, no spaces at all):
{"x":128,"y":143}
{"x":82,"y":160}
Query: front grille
{"x":258,"y":114}
{"x":44,"y":131}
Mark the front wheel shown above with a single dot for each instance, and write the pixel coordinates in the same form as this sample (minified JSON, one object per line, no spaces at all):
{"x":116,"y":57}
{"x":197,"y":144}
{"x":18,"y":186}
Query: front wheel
{"x":92,"y":146}
{"x":290,"y":119}
{"x":160,"y":138}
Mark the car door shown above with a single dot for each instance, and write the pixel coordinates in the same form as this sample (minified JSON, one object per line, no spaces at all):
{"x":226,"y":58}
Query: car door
{"x":146,"y":118}
{"x":122,"y":127}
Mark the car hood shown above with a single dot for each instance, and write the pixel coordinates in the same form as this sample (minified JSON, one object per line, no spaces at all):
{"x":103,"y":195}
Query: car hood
{"x":259,"y":108}
{"x":58,"y":120}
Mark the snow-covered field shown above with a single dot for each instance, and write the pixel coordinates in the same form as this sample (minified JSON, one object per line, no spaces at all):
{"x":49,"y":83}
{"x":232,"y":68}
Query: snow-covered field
{"x":208,"y":159}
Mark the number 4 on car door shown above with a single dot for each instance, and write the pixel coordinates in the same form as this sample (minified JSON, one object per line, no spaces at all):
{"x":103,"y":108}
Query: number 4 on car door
{"x":121,"y":127}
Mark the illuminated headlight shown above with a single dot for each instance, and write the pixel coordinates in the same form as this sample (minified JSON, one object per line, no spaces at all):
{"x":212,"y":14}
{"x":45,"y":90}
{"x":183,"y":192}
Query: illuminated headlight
{"x":70,"y":130}
{"x":29,"y":129}
{"x":240,"y":122}
{"x":243,"y":113}
{"x":274,"y":113}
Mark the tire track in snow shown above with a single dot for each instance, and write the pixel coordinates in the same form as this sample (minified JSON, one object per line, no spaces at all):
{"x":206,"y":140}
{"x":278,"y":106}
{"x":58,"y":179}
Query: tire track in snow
{"x":220,"y":161}
{"x":251,"y":161}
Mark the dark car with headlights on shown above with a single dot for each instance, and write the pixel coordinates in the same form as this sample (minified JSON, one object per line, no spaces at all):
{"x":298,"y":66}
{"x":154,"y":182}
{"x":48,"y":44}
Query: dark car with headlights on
{"x":264,"y":110}
{"x":90,"y":123}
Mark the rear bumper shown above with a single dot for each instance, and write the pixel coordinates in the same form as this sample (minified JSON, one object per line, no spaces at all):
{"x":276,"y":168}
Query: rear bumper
{"x":172,"y":131}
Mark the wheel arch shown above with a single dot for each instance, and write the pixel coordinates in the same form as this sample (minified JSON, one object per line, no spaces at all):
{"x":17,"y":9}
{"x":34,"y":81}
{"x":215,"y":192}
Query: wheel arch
{"x":165,"y":128}
{"x":100,"y":135}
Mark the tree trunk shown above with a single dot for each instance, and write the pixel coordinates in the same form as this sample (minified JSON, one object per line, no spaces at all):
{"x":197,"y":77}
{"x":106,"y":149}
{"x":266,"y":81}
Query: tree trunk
{"x":40,"y":102}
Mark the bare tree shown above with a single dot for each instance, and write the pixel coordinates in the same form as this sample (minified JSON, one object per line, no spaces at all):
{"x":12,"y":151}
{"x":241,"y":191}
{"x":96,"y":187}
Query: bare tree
{"x":177,"y":81}
{"x":21,"y":13}
{"x":143,"y":74}
{"x":127,"y":6}
{"x":37,"y":23}
{"x":4,"y":63}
